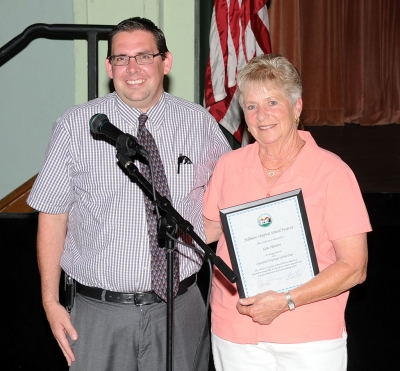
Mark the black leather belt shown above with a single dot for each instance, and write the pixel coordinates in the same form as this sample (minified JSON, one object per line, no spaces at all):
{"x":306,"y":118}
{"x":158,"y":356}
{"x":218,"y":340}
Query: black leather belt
{"x":137,"y":298}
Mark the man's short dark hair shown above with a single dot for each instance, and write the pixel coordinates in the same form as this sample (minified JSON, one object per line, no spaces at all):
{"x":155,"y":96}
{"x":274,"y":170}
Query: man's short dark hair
{"x":142,"y":24}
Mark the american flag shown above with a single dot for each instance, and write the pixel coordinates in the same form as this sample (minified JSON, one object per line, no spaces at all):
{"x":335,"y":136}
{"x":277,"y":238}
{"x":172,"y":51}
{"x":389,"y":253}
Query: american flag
{"x":239,"y":32}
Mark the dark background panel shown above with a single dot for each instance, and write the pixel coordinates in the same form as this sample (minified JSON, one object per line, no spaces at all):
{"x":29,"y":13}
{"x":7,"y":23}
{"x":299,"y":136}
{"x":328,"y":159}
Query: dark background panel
{"x":28,"y":343}
{"x":372,"y":311}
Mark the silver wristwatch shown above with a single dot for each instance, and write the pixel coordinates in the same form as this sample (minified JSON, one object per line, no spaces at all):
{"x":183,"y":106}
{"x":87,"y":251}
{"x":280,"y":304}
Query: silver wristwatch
{"x":290,"y":302}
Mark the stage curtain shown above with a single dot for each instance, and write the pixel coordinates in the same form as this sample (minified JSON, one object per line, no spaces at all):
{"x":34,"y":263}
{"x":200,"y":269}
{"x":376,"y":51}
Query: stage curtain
{"x":371,"y":58}
{"x":347,"y":52}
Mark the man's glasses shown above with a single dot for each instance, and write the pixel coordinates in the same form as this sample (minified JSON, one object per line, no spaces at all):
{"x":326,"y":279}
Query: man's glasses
{"x":123,"y":60}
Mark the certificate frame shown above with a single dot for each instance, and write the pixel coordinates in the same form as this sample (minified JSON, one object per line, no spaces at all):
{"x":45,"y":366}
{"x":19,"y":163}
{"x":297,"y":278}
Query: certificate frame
{"x":270,"y":243}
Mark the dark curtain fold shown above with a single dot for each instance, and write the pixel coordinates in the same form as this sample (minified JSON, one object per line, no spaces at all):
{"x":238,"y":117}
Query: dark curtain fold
{"x":320,"y":45}
{"x":347,"y":52}
{"x":372,"y":61}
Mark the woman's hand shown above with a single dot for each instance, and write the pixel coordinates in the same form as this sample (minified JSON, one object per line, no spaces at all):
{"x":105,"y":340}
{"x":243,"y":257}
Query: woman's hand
{"x":349,"y":270}
{"x":263,"y":308}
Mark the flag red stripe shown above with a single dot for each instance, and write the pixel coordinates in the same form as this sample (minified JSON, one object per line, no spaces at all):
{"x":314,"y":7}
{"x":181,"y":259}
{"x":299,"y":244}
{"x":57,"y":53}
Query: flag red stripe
{"x":219,"y":109}
{"x":221,"y":11}
{"x":234,"y":19}
{"x":261,"y":33}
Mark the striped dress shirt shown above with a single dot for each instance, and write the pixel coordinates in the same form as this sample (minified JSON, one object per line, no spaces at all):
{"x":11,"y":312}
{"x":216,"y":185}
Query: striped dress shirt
{"x":107,"y":243}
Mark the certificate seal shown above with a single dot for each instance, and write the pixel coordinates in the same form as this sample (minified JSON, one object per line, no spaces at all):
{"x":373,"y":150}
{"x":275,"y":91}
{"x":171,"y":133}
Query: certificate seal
{"x":264,"y":220}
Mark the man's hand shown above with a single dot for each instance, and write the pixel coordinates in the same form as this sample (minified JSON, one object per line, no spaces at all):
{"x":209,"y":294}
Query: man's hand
{"x":263,"y":308}
{"x":60,"y":323}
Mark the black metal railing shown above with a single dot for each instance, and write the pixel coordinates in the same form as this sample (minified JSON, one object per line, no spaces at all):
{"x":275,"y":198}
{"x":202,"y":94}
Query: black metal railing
{"x":92,"y":33}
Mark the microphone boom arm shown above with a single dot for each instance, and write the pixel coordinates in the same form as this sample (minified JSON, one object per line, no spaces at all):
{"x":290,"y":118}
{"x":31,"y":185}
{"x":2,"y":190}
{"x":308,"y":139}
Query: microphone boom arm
{"x":164,"y":204}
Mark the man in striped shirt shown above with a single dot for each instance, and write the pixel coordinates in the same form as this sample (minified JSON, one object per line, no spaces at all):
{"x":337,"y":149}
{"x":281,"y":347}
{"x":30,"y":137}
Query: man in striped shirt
{"x":92,"y":221}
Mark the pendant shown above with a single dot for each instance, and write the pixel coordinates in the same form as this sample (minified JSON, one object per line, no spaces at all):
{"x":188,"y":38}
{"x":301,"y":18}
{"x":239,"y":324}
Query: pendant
{"x":271,"y":173}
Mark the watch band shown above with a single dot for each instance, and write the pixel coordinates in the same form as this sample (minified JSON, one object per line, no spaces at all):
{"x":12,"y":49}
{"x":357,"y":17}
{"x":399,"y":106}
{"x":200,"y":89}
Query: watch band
{"x":290,"y":302}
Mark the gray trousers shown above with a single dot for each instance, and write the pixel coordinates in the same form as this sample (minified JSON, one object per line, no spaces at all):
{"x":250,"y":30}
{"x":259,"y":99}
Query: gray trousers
{"x":125,"y":337}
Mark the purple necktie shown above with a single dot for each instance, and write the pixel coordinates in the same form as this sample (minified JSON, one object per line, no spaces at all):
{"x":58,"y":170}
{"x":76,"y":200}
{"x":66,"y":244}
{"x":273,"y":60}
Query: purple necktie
{"x":158,"y":255}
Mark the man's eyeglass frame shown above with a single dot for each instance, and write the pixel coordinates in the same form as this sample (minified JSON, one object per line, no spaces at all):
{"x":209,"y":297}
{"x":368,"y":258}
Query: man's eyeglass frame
{"x":137,"y":57}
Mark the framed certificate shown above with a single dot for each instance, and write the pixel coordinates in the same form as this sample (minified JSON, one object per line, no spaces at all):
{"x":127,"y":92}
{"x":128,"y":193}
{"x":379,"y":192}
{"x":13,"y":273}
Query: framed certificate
{"x":270,"y":244}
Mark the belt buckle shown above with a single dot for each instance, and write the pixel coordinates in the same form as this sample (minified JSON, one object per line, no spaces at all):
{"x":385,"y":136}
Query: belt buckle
{"x":137,"y":296}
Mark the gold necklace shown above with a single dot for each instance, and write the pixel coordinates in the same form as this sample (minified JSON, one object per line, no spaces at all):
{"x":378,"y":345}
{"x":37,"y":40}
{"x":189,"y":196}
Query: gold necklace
{"x":271,"y":171}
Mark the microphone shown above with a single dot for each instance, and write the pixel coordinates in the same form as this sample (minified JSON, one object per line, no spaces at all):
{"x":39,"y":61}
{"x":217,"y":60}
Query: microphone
{"x":100,"y":124}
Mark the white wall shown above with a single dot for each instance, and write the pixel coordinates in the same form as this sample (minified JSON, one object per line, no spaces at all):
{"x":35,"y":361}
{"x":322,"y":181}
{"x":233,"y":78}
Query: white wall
{"x":35,"y":88}
{"x":175,"y":17}
{"x":49,"y":76}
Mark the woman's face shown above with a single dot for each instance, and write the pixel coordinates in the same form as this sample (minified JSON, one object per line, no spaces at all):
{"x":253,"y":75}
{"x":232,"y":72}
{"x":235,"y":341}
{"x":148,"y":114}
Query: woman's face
{"x":269,"y":114}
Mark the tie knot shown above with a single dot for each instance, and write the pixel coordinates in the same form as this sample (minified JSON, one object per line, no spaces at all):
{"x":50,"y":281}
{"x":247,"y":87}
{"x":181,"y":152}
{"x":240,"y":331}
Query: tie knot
{"x":142,"y":119}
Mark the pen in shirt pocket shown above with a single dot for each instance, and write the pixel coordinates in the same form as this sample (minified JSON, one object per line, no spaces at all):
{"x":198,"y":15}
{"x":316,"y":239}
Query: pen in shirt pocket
{"x":183,"y":160}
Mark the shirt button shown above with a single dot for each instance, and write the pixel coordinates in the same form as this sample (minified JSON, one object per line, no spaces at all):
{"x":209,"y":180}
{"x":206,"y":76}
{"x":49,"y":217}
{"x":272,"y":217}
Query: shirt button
{"x":267,"y":195}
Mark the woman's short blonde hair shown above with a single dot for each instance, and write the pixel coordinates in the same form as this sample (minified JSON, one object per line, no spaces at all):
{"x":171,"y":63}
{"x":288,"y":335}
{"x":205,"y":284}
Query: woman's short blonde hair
{"x":271,"y":70}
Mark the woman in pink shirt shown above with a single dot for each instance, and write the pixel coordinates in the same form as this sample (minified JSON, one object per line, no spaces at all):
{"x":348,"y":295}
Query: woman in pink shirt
{"x":303,"y":329}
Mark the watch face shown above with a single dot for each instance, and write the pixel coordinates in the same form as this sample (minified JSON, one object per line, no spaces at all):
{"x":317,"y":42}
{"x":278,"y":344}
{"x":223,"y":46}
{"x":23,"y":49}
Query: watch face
{"x":289,"y":300}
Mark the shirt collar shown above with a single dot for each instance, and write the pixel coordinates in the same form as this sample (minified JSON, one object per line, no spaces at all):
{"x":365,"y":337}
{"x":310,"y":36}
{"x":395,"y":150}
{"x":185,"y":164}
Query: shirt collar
{"x":308,"y":157}
{"x":304,"y":163}
{"x":131,"y":115}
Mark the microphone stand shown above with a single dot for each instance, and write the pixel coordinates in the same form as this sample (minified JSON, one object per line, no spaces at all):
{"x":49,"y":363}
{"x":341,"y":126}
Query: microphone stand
{"x":165,"y":225}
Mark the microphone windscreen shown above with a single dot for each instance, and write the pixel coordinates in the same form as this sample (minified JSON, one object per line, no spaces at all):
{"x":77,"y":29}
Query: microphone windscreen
{"x":96,"y":122}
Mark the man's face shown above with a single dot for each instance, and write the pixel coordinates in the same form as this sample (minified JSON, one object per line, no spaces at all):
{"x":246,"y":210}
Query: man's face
{"x":139,"y":86}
